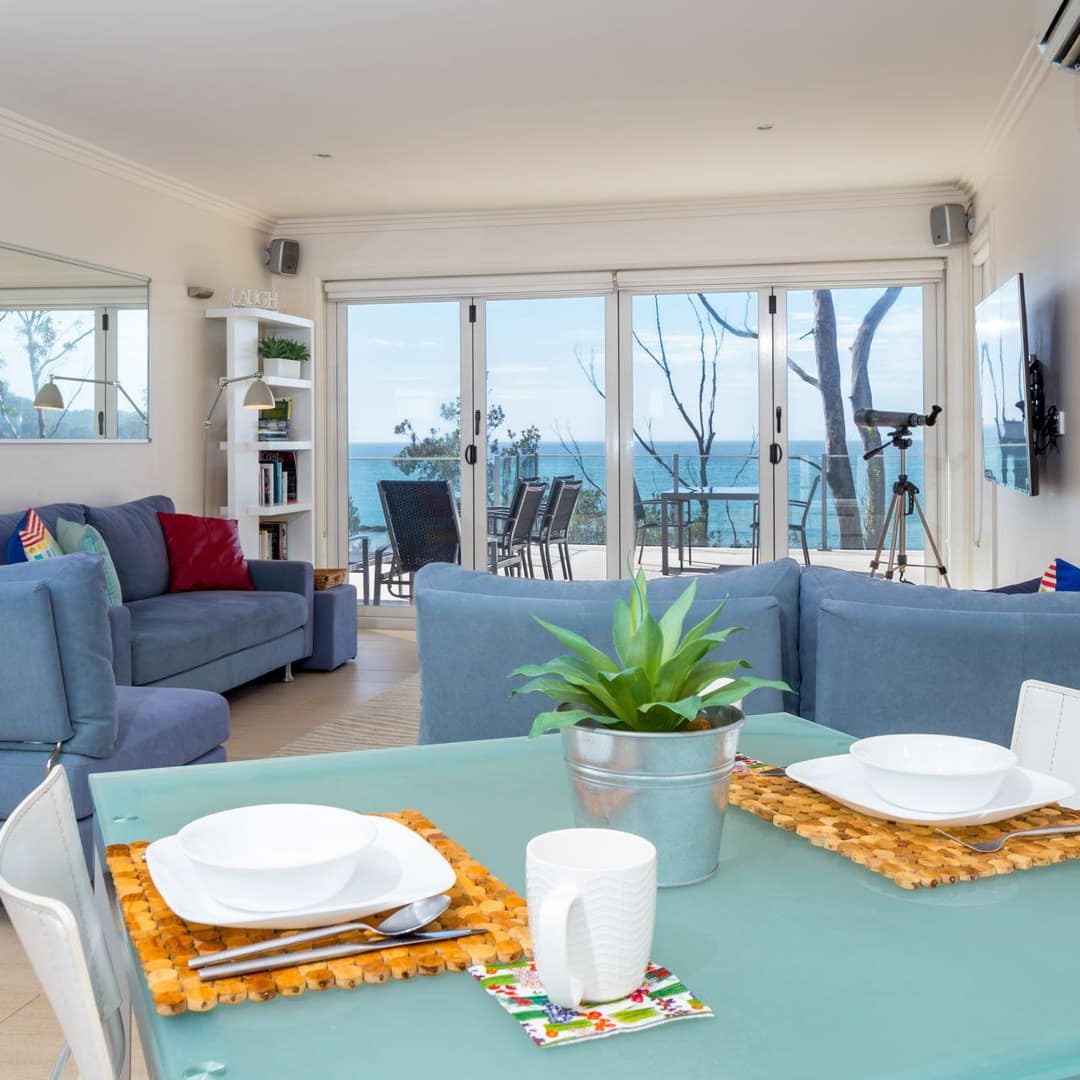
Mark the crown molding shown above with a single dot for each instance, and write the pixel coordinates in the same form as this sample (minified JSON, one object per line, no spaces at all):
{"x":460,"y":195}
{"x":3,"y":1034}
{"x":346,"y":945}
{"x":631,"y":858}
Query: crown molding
{"x":42,"y":137}
{"x":865,"y":199}
{"x":1021,"y":88}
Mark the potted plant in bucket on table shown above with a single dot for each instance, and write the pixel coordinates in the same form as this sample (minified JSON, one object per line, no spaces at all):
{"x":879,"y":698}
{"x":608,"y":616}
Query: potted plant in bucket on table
{"x":649,"y":735}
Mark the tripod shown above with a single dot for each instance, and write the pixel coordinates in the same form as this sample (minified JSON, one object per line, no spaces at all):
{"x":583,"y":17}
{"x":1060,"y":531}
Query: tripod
{"x":905,"y":501}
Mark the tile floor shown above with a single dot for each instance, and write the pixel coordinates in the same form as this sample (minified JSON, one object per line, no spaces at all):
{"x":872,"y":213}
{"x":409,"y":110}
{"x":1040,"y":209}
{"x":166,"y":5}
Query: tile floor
{"x":265,"y":716}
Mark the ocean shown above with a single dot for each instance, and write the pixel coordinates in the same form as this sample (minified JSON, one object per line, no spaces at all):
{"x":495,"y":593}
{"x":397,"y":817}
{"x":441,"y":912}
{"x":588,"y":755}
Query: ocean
{"x":731,"y":464}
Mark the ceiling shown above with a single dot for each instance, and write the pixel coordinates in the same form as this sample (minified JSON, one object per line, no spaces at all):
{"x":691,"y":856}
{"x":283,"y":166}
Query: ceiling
{"x":488,"y":104}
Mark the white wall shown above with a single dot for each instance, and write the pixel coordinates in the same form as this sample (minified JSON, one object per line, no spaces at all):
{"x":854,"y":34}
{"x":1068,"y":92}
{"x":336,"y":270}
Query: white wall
{"x":1028,"y":203}
{"x":67,"y":208}
{"x":870,"y":226}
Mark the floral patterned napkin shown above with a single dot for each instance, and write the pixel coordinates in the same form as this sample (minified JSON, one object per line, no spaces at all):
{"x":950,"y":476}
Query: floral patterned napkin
{"x":660,"y":998}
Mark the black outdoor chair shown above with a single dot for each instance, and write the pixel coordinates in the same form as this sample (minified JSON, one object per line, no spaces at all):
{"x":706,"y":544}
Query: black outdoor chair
{"x":422,"y":522}
{"x":554,"y":528}
{"x":509,"y":545}
{"x":802,"y":514}
{"x":643,"y":523}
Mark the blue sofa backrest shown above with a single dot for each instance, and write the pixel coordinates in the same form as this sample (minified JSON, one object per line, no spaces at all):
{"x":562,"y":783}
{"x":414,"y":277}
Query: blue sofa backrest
{"x":473,"y":629}
{"x":879,"y":656}
{"x":131,"y":531}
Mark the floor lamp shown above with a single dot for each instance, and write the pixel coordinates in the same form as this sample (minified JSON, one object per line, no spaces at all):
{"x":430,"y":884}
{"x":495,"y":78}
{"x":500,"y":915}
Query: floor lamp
{"x":259,"y":396}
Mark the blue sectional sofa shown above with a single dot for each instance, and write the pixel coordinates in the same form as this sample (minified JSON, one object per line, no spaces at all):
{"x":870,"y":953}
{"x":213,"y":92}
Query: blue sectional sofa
{"x":212,"y":640}
{"x":58,"y":691}
{"x":863,"y":655}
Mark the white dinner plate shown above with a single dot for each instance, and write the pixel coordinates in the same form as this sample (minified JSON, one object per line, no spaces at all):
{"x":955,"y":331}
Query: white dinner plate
{"x":398,"y":868}
{"x":841,"y":778}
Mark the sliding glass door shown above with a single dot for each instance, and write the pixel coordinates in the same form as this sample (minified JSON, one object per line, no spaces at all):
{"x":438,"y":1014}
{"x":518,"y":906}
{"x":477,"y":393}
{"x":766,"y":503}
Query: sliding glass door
{"x":404,"y":423}
{"x":492,"y":396}
{"x":696,"y":447}
{"x":545,"y":360}
{"x":686,"y":428}
{"x":850,"y":349}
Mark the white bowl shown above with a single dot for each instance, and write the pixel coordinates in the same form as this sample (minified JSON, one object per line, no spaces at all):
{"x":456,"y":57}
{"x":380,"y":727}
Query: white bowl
{"x":934,"y":773}
{"x":276,"y":857}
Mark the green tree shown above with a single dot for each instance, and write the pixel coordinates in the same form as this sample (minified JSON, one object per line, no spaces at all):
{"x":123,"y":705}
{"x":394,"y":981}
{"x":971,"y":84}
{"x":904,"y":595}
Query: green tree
{"x":435,"y":454}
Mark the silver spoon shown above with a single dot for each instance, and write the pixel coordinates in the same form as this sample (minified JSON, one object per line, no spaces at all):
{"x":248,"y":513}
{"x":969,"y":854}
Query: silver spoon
{"x":404,"y":921}
{"x":988,"y":847}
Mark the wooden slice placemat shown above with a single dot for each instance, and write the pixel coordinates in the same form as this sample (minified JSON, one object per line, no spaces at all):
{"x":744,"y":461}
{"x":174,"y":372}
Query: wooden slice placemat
{"x":165,"y":942}
{"x":913,"y":856}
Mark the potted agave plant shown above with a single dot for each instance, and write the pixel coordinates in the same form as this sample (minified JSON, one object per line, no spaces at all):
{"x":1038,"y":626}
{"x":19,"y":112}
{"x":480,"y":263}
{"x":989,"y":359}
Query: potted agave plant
{"x":649,"y":735}
{"x":283,"y":357}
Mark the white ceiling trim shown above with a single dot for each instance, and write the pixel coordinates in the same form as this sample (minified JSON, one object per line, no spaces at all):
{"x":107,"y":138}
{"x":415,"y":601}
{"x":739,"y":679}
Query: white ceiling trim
{"x":42,"y":137}
{"x":873,"y":198}
{"x":1026,"y":80}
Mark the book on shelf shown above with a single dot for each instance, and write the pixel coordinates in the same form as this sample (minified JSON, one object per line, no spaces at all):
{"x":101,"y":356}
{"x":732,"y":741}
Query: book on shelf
{"x":273,"y":540}
{"x":274,"y":423}
{"x":278,"y":471}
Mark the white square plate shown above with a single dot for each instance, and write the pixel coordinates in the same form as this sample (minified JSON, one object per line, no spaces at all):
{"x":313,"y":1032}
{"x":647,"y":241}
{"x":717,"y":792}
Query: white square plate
{"x":398,"y":868}
{"x":841,"y":778}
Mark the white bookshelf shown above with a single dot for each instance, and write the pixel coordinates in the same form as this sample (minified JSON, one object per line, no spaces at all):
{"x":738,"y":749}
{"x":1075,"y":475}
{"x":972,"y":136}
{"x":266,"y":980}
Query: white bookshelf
{"x":244,"y":328}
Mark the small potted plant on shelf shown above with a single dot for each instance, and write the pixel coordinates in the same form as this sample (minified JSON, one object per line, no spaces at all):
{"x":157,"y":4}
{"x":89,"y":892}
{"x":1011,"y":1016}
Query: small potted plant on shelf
{"x":649,"y":736}
{"x":283,"y":357}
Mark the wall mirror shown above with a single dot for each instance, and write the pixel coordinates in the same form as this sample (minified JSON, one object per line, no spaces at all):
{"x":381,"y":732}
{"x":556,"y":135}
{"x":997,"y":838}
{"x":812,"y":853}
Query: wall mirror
{"x":74,"y":350}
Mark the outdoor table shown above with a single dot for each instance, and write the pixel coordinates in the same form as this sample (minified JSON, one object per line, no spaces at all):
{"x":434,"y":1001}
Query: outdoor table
{"x":816,"y":968}
{"x":684,"y":496}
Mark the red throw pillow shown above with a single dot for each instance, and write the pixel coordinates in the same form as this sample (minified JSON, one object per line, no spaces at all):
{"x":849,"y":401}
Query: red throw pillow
{"x":204,"y":553}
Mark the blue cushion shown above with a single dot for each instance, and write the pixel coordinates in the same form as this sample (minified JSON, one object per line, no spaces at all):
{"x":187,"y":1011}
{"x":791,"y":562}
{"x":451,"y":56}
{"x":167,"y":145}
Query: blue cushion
{"x":31,"y":680}
{"x":133,"y":535}
{"x":180,"y":631}
{"x":156,"y":728}
{"x":9,"y":523}
{"x":885,"y":668}
{"x":820,"y":583}
{"x":73,"y":537}
{"x":779,"y":579}
{"x":80,"y":614}
{"x":469,"y":644}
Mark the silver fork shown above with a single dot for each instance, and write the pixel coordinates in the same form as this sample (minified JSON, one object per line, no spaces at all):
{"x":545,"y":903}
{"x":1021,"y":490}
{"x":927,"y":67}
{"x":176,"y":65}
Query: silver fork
{"x":988,"y":847}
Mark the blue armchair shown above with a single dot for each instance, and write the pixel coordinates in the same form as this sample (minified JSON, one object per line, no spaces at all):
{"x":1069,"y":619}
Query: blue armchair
{"x":59,"y":699}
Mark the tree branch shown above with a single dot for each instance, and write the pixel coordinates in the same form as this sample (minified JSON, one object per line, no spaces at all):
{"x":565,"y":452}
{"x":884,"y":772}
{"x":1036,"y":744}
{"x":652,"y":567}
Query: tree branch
{"x":731,"y":328}
{"x":803,"y":374}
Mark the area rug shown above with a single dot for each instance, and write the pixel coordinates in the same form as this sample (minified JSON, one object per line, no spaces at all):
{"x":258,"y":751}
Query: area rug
{"x":391,"y":718}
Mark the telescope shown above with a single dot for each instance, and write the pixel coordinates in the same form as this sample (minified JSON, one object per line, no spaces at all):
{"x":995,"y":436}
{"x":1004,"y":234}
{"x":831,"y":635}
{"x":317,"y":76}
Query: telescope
{"x":878,"y":418}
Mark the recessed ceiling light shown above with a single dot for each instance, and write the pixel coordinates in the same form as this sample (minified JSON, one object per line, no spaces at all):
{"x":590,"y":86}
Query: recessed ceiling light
{"x":322,"y":156}
{"x":763,"y":127}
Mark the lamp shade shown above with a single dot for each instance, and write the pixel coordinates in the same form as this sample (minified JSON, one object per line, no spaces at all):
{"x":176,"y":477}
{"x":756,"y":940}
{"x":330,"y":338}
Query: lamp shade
{"x":259,"y":396}
{"x":49,"y":397}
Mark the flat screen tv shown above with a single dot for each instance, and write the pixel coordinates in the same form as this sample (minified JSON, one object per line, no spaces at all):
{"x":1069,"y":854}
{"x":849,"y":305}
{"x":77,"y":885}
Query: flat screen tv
{"x":1005,"y":375}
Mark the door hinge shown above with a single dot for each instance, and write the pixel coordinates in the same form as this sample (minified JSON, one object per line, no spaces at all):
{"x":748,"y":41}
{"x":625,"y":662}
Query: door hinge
{"x":105,"y":322}
{"x":472,"y":313}
{"x":772,"y":303}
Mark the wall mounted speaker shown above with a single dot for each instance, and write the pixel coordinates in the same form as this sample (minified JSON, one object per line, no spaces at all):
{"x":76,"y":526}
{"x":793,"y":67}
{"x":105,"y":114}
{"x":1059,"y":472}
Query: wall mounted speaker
{"x":283,"y":256}
{"x":948,"y":225}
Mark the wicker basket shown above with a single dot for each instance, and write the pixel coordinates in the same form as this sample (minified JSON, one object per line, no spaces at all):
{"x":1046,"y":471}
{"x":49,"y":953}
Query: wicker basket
{"x":329,"y":579}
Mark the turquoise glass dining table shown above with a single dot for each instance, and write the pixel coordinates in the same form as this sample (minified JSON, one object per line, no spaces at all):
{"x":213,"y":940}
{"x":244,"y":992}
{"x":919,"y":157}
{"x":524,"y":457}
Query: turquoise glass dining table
{"x":814,"y":966}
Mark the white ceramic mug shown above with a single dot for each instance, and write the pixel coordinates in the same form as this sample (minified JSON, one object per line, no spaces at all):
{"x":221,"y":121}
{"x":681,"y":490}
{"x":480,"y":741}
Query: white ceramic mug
{"x":592,"y":904}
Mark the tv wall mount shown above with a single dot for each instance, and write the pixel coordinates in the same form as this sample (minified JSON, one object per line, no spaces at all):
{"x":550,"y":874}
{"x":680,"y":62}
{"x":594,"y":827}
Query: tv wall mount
{"x":1047,"y":422}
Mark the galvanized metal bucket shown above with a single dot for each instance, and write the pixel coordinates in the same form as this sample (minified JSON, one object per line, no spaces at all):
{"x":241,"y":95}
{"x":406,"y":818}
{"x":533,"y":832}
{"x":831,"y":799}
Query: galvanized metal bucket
{"x":671,"y":788}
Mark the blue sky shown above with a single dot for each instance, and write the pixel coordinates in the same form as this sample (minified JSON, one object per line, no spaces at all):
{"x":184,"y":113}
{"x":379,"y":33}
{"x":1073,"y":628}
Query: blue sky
{"x":404,"y":361}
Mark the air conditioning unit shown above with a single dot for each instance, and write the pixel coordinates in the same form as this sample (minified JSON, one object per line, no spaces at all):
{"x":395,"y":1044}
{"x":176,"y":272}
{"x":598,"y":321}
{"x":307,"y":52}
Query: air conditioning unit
{"x":1060,"y":42}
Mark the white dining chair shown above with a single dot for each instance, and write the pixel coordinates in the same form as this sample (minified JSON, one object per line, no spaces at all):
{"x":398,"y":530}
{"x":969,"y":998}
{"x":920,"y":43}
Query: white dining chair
{"x":46,"y":890}
{"x":1046,"y":733}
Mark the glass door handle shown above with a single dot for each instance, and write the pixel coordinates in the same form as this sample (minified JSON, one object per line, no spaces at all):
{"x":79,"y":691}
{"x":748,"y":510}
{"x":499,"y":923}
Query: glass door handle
{"x":470,"y":454}
{"x":476,"y":423}
{"x":776,"y":455}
